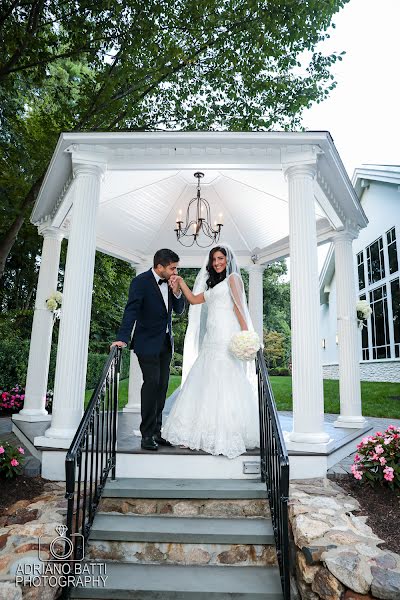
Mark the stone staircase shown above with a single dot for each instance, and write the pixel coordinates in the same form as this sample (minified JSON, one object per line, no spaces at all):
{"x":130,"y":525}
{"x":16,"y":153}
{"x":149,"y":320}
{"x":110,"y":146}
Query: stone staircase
{"x":165,"y":539}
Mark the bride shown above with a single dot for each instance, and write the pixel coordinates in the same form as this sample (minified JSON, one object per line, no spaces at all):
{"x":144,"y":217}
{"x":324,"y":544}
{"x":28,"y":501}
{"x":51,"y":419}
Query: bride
{"x":217,"y":407}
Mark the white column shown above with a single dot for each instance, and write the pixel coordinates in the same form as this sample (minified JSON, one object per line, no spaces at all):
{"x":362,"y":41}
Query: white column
{"x":307,"y":381}
{"x":42,"y":329}
{"x":348,"y":334}
{"x":256,"y":307}
{"x":135,"y":373}
{"x":69,"y":389}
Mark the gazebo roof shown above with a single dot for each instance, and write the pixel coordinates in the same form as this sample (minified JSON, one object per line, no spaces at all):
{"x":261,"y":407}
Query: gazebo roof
{"x":149,"y":177}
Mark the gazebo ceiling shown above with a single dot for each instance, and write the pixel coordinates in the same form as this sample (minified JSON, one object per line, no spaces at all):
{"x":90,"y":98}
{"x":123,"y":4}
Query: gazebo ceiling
{"x":149,"y":177}
{"x":138,"y":209}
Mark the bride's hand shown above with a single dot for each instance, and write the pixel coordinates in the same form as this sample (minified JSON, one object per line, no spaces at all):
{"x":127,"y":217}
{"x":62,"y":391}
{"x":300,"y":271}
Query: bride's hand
{"x":174,"y":283}
{"x":174,"y":280}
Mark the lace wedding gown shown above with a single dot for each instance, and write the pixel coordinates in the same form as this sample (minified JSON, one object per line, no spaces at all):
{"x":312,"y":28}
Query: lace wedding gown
{"x":217,"y":408}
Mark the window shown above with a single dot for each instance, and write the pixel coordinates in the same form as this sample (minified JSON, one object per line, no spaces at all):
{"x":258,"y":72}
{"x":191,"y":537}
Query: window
{"x":392,"y":250}
{"x":379,"y":323}
{"x":395,"y":289}
{"x":361,"y":272}
{"x":364,"y":337}
{"x":375,"y":262}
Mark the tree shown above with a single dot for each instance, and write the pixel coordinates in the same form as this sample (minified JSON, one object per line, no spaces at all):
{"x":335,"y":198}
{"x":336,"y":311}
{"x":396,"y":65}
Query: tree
{"x":129,"y":64}
{"x":274,"y":349}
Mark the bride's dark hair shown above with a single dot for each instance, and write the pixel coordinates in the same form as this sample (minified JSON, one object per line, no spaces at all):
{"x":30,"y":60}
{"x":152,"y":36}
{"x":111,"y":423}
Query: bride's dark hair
{"x":213,"y":276}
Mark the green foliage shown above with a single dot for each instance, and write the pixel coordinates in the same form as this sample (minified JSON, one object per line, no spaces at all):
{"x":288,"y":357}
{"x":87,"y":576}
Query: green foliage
{"x":213,"y":65}
{"x":14,"y":355}
{"x":279,"y":371}
{"x":112,"y":278}
{"x":274,"y":349}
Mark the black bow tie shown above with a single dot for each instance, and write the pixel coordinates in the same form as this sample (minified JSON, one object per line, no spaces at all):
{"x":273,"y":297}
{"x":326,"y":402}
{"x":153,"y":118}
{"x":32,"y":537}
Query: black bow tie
{"x":161,"y":281}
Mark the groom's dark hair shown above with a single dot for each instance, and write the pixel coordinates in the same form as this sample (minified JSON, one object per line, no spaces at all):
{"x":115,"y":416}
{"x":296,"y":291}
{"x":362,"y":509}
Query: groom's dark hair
{"x":165,"y":257}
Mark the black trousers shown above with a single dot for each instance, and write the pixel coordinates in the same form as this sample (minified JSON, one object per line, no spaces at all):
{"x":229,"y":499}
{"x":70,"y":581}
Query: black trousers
{"x":155,"y":370}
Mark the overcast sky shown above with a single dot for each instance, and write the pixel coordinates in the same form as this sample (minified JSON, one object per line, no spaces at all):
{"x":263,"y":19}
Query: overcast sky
{"x":363,"y":112}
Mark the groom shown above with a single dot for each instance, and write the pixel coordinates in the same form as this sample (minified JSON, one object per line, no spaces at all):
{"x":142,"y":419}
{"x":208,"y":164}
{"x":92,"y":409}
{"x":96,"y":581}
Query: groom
{"x":149,"y":308}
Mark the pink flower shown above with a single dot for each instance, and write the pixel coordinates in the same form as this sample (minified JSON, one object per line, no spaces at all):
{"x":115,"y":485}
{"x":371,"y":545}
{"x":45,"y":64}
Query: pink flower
{"x":365,"y":441}
{"x":391,"y":428}
{"x":379,"y":449}
{"x":357,"y":474}
{"x":382,"y":460}
{"x":21,"y":450}
{"x":387,"y":440}
{"x":14,"y":462}
{"x":379,"y":433}
{"x":388,"y":473}
{"x":359,"y":446}
{"x":2,"y":450}
{"x":357,"y":458}
{"x":374,"y":456}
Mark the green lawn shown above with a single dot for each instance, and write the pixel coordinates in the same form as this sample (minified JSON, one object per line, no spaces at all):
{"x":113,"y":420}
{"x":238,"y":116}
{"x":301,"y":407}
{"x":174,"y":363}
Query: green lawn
{"x":376,"y":397}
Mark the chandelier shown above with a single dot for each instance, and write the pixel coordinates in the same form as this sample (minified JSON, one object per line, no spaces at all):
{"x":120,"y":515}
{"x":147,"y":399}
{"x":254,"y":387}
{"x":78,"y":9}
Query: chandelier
{"x":197,"y":221}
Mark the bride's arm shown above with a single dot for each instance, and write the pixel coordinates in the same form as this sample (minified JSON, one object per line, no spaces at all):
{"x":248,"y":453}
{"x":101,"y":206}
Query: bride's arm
{"x":190,"y":297}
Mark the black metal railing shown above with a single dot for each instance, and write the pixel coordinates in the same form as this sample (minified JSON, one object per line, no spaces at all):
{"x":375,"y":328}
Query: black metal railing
{"x":274,"y":470}
{"x":91,"y":457}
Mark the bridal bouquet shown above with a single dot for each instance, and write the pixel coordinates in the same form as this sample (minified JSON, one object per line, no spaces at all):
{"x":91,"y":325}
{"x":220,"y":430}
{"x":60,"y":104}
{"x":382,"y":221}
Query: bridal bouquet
{"x":245,"y":345}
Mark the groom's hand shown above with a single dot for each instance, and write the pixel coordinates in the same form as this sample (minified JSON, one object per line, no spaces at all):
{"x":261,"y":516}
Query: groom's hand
{"x":119,"y":344}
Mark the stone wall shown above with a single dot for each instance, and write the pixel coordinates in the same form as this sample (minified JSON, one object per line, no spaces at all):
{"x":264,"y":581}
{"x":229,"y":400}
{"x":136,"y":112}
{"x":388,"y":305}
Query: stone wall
{"x":336,"y":553}
{"x":376,"y":370}
{"x":21,"y":527}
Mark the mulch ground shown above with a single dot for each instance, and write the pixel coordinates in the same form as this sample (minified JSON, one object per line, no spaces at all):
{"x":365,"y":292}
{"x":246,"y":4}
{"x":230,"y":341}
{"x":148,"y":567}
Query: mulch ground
{"x":19,"y":488}
{"x":382,"y":507}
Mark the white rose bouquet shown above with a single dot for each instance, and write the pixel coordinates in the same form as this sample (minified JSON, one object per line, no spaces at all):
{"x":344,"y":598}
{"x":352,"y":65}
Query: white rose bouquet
{"x":53,"y":303}
{"x":364,"y":312}
{"x":244,"y":345}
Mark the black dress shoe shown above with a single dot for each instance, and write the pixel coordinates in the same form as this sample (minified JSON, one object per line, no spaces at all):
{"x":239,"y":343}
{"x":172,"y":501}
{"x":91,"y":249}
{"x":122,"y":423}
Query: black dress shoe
{"x":148,"y":443}
{"x":161,"y":441}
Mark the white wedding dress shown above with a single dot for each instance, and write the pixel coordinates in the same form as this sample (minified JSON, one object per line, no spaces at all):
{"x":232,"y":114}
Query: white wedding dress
{"x":217,"y":408}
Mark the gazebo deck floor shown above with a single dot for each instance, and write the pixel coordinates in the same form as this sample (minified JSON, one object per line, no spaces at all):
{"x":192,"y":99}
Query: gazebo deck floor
{"x":128,"y":438}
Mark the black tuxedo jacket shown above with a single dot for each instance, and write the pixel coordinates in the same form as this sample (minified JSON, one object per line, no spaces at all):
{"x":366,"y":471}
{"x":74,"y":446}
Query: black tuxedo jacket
{"x":146,"y":309}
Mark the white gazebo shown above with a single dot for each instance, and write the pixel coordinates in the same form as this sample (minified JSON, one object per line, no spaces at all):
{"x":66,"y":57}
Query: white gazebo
{"x":281,"y":194}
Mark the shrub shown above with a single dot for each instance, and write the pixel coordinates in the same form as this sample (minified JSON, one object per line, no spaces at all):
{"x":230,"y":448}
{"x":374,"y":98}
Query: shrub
{"x":11,"y":460}
{"x":378,"y":458}
{"x":175,"y":370}
{"x":280,"y":371}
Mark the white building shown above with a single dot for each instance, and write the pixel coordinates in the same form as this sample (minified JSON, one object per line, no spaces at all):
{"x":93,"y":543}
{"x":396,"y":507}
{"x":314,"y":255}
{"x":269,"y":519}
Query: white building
{"x":376,"y":263}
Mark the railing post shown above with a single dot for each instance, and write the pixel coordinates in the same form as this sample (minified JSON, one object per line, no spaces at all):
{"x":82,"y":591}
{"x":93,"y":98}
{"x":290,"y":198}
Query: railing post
{"x":117,"y":364}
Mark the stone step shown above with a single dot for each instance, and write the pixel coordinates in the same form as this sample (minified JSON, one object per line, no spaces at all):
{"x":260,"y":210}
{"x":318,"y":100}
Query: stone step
{"x":131,"y":528}
{"x":188,"y":507}
{"x":172,"y":582}
{"x":175,"y":553}
{"x":185,"y":488}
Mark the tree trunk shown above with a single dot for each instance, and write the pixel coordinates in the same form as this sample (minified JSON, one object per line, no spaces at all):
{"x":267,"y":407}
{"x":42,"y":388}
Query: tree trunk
{"x":8,"y":240}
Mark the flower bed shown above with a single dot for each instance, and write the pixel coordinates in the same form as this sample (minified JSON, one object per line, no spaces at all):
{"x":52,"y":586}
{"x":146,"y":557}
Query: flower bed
{"x":377,"y":461}
{"x":11,"y":460}
{"x":12,"y":401}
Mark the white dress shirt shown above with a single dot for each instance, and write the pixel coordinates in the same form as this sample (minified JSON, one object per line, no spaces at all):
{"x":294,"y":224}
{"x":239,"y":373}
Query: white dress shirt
{"x":164,"y":290}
